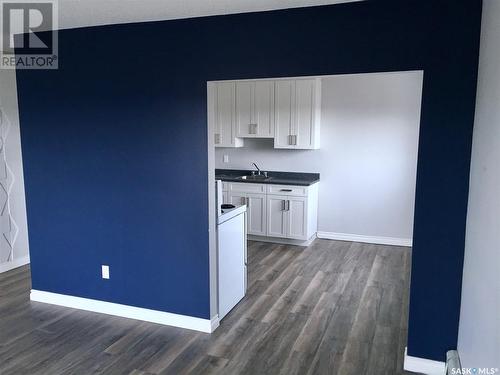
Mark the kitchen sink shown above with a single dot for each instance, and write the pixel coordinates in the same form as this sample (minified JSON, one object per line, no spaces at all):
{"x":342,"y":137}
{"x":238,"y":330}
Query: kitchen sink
{"x":255,"y":178}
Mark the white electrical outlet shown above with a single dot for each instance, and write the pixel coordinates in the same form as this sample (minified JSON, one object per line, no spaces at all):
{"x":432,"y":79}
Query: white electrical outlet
{"x":226,"y":159}
{"x":105,"y":272}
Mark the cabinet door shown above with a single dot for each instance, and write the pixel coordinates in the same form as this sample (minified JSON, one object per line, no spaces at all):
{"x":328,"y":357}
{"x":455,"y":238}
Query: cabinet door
{"x":256,"y":214}
{"x":225,"y":131}
{"x":244,"y":108}
{"x":212,"y":112}
{"x":276,"y":216}
{"x":284,"y":114}
{"x":263,"y":108}
{"x":237,"y":198}
{"x":304,"y":113}
{"x":296,"y":218}
{"x":225,"y":113}
{"x":256,"y":211}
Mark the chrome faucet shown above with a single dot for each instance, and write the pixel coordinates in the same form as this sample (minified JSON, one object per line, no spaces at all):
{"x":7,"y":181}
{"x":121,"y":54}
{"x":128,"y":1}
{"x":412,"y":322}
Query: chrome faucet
{"x":258,"y":169}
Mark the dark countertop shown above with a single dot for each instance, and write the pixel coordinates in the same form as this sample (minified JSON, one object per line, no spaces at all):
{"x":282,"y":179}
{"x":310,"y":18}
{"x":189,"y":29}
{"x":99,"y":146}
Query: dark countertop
{"x":276,"y":178}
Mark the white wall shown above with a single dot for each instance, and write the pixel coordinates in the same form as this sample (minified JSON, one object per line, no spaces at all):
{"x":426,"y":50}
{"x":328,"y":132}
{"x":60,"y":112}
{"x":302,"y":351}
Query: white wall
{"x":479,"y":330}
{"x":368,"y":155}
{"x":14,"y":249}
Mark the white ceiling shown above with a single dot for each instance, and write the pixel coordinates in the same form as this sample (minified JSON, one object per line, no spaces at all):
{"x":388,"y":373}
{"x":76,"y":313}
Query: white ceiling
{"x":78,"y":13}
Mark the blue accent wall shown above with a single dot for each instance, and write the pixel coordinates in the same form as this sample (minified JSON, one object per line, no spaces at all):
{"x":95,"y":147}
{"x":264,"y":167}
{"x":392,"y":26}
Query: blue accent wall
{"x":115,"y":145}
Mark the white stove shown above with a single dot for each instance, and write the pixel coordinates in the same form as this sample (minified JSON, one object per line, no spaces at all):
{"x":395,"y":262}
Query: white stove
{"x":232,"y":254}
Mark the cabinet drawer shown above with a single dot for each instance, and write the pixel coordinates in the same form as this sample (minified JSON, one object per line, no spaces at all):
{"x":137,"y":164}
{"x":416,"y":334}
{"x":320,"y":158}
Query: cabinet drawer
{"x":247,"y":188}
{"x":298,"y":191}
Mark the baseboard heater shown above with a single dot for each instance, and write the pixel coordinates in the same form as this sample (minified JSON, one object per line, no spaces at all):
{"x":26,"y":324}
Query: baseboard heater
{"x":452,"y":362}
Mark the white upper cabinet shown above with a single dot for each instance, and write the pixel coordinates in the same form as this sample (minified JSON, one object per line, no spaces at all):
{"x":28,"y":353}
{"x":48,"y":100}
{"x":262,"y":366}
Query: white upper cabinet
{"x":264,"y":108}
{"x":287,"y":110}
{"x":307,"y":113}
{"x":283,"y":115}
{"x":255,"y":109}
{"x":297,"y":113}
{"x":221,"y":111}
{"x":244,"y":104}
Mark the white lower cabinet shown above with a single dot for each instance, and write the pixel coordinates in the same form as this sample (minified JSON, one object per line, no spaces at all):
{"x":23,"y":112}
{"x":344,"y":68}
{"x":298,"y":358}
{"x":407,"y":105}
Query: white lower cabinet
{"x":280,"y":211}
{"x":256,"y":210}
{"x":256,"y":214}
{"x":276,"y":216}
{"x":297,"y":218}
{"x":287,"y":217}
{"x":237,"y":199}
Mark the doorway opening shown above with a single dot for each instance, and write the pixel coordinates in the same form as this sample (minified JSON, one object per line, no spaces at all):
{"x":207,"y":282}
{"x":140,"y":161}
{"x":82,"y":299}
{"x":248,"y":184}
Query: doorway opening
{"x":348,"y":283}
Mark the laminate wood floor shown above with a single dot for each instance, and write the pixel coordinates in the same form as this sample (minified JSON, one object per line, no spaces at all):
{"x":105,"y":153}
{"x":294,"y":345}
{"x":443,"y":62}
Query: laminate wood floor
{"x":331,"y":308}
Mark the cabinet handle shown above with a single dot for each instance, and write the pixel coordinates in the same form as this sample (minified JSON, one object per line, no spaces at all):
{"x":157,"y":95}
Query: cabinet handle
{"x":283,"y":205}
{"x":243,"y":200}
{"x":217,"y":138}
{"x":252,"y":129}
{"x":290,"y":140}
{"x":288,"y":205}
{"x":248,"y":202}
{"x":295,"y":140}
{"x":289,"y":190}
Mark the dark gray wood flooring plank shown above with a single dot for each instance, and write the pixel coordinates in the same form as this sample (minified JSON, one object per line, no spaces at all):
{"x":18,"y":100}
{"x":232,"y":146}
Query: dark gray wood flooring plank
{"x":331,"y":308}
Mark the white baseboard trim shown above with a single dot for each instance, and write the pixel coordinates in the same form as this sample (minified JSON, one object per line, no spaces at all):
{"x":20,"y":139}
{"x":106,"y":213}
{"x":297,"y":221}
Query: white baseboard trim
{"x":424,"y":366}
{"x":125,"y":311}
{"x":284,"y":241}
{"x":7,"y":266}
{"x":407,"y":242}
{"x":214,"y":323}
